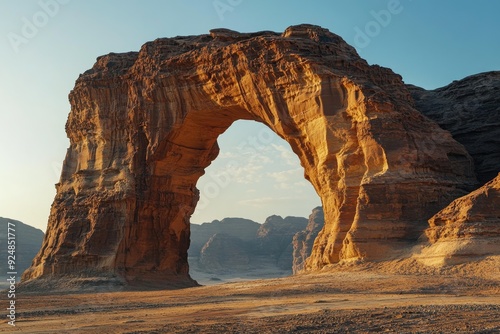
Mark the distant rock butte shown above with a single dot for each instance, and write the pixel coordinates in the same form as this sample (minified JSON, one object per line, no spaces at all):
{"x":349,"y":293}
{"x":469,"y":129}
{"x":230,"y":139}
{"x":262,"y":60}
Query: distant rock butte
{"x":236,"y":245}
{"x":243,"y":229}
{"x":303,"y":241}
{"x":143,"y":127}
{"x":274,"y":238}
{"x":466,"y":230}
{"x":224,"y":252}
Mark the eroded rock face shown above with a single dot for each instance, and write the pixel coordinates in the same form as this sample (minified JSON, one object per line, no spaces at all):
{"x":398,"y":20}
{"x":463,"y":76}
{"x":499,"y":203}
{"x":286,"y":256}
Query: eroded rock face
{"x":470,"y":110}
{"x":243,"y":229}
{"x":236,"y":245}
{"x":143,"y":127}
{"x":466,"y":230}
{"x":223,"y":253}
{"x":303,"y":241}
{"x":274,"y":238}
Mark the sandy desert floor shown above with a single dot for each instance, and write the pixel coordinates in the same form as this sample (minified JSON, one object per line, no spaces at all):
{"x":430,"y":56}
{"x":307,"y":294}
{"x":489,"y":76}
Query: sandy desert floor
{"x":350,"y":299}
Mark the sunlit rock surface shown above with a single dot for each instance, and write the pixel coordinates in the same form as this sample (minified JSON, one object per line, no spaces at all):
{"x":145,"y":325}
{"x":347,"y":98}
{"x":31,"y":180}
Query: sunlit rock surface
{"x":143,"y":127}
{"x":466,"y":230}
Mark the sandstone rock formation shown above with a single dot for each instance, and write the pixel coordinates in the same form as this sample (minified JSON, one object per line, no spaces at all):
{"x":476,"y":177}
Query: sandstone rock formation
{"x":235,"y":246}
{"x":303,"y":241}
{"x":223,"y":253}
{"x":143,"y":127}
{"x":274,"y":238}
{"x":470,"y":110}
{"x":243,"y":229}
{"x":466,"y":230}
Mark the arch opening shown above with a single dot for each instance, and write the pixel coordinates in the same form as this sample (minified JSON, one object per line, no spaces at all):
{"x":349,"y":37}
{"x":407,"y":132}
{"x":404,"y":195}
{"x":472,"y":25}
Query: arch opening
{"x":144,"y":127}
{"x":253,"y":200}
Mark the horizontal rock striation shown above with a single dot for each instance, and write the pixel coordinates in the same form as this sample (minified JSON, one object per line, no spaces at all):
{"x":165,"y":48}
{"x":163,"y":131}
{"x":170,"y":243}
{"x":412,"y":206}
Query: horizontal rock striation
{"x":470,"y":110}
{"x":143,"y":127}
{"x":466,"y":230}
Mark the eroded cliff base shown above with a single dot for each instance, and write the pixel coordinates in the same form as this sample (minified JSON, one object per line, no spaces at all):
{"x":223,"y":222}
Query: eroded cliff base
{"x":76,"y":284}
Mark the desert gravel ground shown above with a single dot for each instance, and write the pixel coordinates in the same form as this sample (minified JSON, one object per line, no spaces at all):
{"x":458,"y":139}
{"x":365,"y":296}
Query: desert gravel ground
{"x":352,"y":299}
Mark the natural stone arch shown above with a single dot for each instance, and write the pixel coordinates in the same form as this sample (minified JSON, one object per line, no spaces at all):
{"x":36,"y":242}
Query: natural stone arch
{"x":143,"y":126}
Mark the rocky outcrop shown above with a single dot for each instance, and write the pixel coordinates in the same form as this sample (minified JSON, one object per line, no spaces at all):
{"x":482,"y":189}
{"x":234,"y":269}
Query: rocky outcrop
{"x":143,"y":127}
{"x":466,"y":230}
{"x":236,"y":245}
{"x":303,"y":241}
{"x":27,"y":244}
{"x":275,"y":236}
{"x":223,"y":253}
{"x":243,"y":229}
{"x":470,"y":110}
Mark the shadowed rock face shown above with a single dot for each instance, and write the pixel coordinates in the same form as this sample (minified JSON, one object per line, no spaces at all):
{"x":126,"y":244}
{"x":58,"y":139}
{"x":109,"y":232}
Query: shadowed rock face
{"x":275,"y":237}
{"x":243,"y":229}
{"x":143,"y":127}
{"x":236,"y":246}
{"x":303,"y":241}
{"x":223,"y":251}
{"x":470,"y":110}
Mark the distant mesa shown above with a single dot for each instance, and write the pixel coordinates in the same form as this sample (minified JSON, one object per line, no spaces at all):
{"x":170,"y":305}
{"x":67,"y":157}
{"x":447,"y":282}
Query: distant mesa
{"x":243,"y":229}
{"x":28,"y":241}
{"x":238,"y":248}
{"x":303,"y":241}
{"x":384,"y":157}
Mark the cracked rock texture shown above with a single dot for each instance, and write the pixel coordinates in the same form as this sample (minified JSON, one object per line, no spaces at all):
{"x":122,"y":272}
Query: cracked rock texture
{"x":143,"y":127}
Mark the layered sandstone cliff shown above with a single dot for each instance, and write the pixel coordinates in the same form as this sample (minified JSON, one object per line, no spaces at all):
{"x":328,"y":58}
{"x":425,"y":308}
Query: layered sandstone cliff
{"x":470,"y":110}
{"x":143,"y":127}
{"x":466,"y":230}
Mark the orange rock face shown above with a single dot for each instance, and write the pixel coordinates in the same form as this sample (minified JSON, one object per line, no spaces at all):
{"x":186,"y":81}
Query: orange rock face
{"x":144,"y":125}
{"x":466,"y":230}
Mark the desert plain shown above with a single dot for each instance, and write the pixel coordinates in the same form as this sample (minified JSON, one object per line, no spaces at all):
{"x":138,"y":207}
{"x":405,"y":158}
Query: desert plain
{"x":408,"y":179}
{"x":399,"y":296}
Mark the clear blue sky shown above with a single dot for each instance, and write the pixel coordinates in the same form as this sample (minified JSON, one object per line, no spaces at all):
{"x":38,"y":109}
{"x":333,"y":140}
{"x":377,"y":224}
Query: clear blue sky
{"x":430,"y":43}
